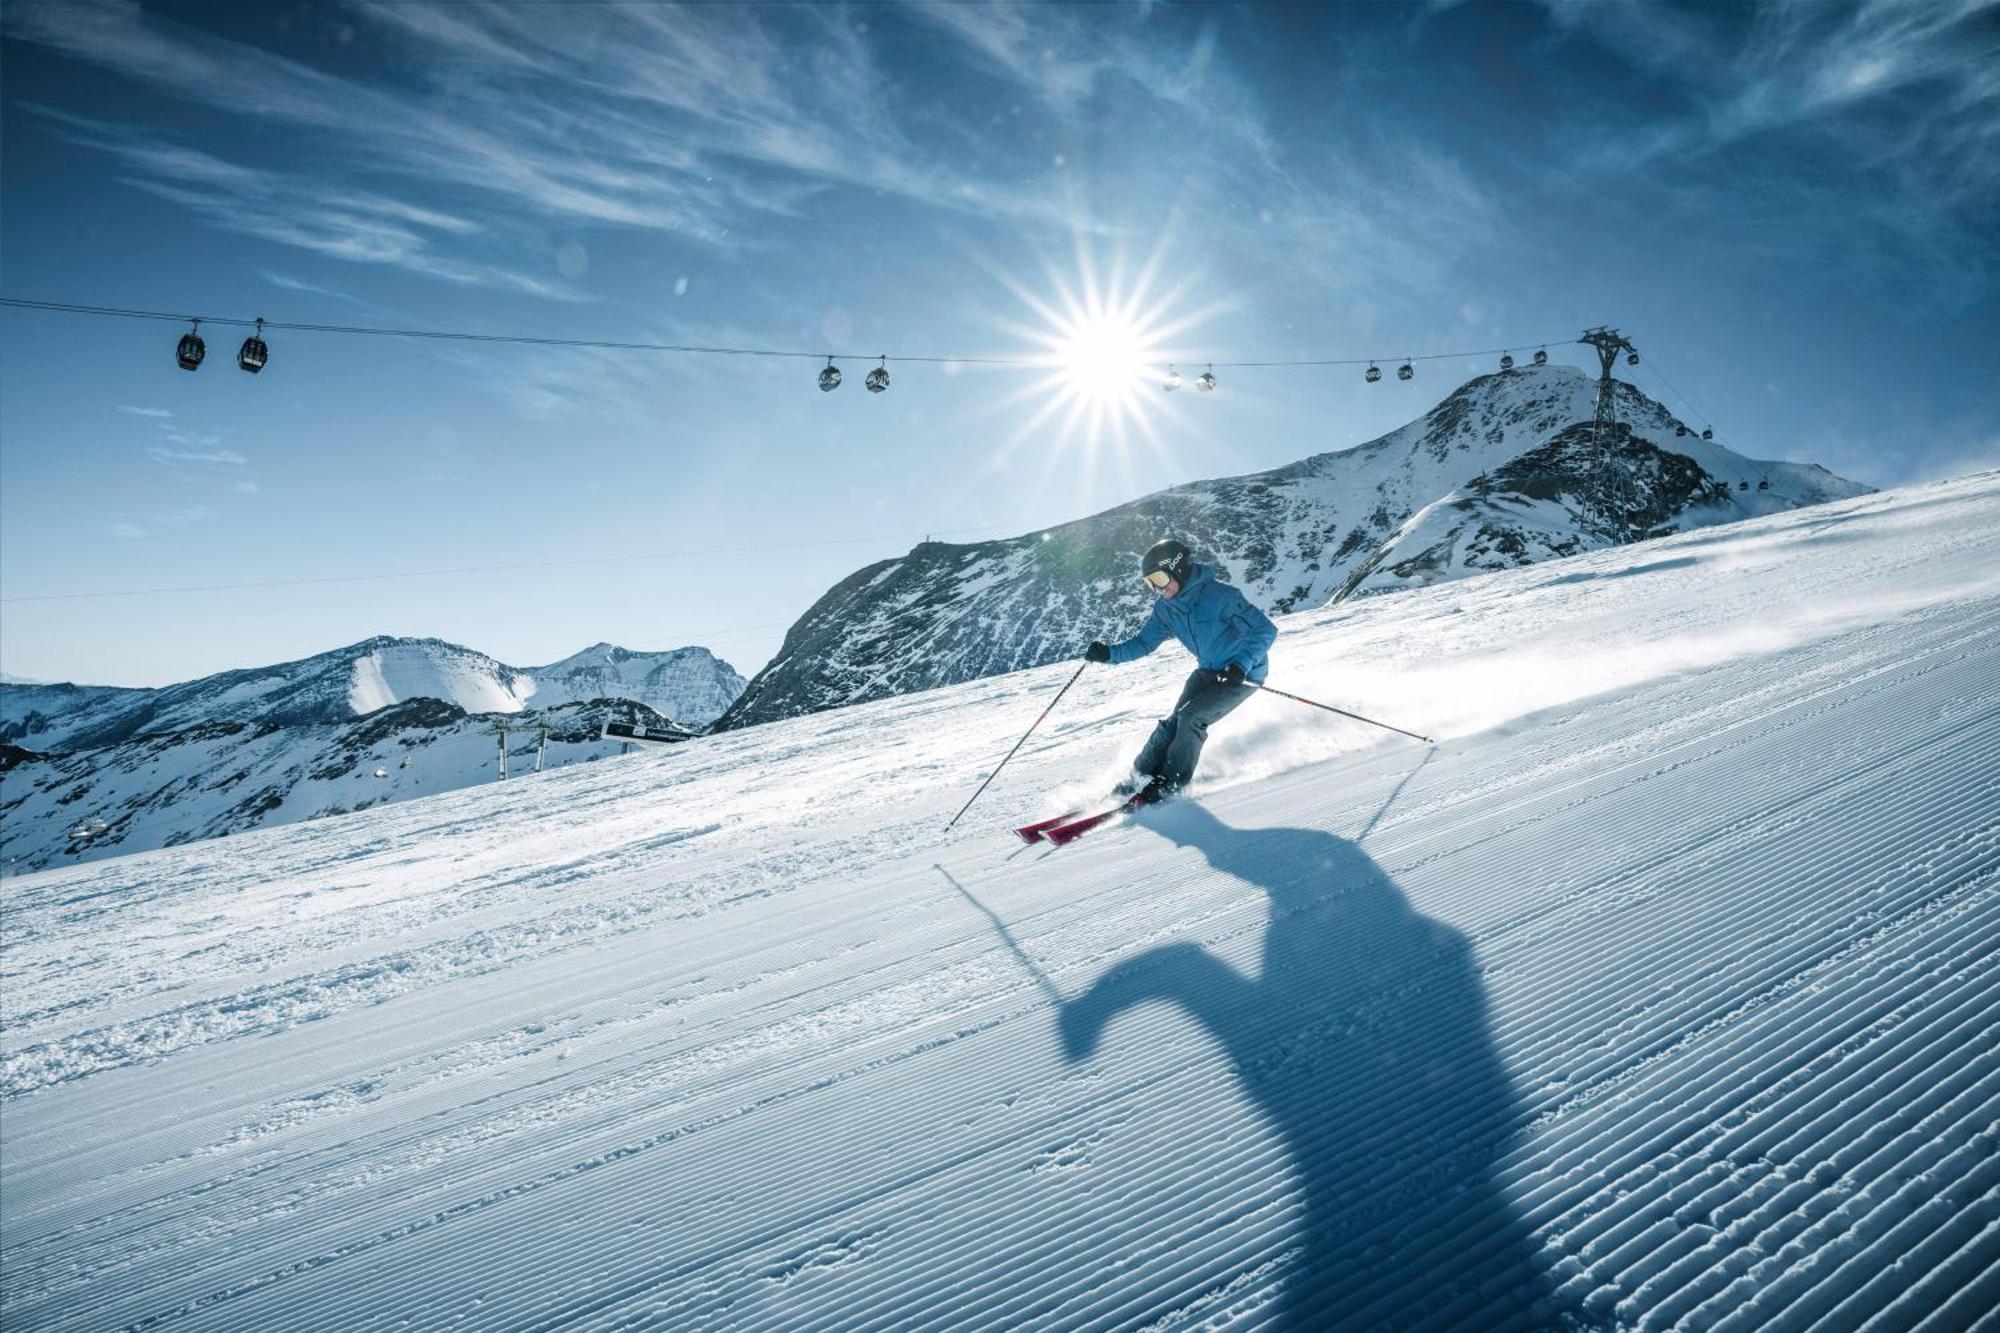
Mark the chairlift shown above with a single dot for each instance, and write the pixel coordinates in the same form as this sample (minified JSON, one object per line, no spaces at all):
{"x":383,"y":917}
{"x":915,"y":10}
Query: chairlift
{"x":1742,"y":485}
{"x":1374,"y":374}
{"x":1206,"y":380}
{"x":1172,"y":381}
{"x":1632,"y":357}
{"x":829,"y":379}
{"x":878,"y":378}
{"x":1763,"y":483}
{"x":1406,"y":371}
{"x":1506,"y":361}
{"x":1707,"y":432}
{"x":252,"y":355}
{"x":1542,"y":357}
{"x":1679,"y":429}
{"x":191,"y":349}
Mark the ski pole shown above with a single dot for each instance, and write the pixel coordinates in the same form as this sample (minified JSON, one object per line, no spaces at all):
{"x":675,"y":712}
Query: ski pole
{"x":1343,"y":712}
{"x":1018,"y":744}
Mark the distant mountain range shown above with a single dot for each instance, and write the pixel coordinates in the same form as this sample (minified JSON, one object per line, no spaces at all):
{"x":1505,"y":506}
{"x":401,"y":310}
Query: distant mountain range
{"x":90,"y":771}
{"x":1506,"y":471}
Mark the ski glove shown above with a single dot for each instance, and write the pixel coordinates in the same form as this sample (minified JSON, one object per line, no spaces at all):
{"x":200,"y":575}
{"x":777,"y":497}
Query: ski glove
{"x":1100,"y":652}
{"x":1229,"y":675}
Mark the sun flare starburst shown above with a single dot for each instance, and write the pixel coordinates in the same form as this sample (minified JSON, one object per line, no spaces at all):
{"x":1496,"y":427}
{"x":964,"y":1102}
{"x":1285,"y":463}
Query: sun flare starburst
{"x":1103,"y":345}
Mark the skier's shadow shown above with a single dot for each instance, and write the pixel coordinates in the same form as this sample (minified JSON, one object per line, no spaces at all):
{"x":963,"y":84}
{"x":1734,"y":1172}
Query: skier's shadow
{"x":1365,"y":1042}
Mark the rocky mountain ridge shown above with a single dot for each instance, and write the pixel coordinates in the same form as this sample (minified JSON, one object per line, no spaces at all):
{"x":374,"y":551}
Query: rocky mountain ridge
{"x":90,"y":771}
{"x":164,"y":788}
{"x":1505,"y":471}
{"x":690,"y":685}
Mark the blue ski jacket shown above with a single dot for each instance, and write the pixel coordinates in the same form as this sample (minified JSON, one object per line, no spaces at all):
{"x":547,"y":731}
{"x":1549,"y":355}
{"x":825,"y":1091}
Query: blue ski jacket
{"x":1213,"y":621}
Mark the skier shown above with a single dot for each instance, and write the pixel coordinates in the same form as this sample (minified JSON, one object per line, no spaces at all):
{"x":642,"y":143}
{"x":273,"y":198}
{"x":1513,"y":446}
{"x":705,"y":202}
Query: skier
{"x":1230,"y":640}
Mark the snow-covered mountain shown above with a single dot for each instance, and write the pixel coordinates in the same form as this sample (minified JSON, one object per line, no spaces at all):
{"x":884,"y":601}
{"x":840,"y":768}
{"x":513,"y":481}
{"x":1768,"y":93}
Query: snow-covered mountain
{"x":48,"y":713}
{"x":1505,"y":472}
{"x":164,"y":788}
{"x":1658,"y":995}
{"x":91,"y":771}
{"x":690,"y":685}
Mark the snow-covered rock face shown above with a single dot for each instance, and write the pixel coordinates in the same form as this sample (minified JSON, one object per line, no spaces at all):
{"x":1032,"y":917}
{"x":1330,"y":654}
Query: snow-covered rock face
{"x":691,"y":685}
{"x":399,"y":670}
{"x":378,"y":721}
{"x":1499,"y":474}
{"x":164,"y":788}
{"x":327,"y":687}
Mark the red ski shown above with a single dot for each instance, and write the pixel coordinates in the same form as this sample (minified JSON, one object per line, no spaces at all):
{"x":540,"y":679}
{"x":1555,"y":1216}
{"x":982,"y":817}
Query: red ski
{"x":1064,"y":834}
{"x":1033,"y":832}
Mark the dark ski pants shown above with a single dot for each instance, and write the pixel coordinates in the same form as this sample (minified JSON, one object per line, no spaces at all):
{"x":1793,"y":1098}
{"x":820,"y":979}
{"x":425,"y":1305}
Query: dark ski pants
{"x":1175,"y":745}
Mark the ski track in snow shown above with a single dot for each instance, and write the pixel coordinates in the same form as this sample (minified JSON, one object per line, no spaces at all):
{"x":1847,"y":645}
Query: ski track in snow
{"x":1660,"y":996}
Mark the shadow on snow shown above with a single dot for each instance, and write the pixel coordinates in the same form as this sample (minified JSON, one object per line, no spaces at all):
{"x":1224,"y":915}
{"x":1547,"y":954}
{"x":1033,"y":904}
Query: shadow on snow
{"x":1365,"y":1042}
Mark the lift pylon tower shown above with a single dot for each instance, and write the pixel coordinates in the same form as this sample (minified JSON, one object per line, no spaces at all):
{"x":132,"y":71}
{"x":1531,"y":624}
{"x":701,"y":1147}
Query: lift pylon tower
{"x":1609,"y":342}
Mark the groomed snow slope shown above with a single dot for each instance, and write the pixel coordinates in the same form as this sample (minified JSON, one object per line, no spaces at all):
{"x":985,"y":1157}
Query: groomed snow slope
{"x":1661,"y":994}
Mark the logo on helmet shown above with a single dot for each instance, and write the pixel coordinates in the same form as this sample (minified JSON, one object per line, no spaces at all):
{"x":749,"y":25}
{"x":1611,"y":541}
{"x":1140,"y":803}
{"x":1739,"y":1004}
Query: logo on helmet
{"x":1167,"y":562}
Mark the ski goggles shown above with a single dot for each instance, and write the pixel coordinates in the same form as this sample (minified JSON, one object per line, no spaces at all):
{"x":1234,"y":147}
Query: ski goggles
{"x":1159,"y":578}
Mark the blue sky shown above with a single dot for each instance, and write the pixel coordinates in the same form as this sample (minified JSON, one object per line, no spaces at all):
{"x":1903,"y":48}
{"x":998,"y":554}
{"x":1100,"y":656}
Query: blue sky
{"x":1791,"y":209}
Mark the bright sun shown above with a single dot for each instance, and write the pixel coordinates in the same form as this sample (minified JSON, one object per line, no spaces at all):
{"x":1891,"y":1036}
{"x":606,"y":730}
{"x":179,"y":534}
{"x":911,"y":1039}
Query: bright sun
{"x":1106,"y":337}
{"x":1104,"y":358}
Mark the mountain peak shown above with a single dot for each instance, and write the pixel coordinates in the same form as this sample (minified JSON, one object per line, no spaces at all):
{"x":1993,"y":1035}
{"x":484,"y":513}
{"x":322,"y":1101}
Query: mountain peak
{"x":1293,"y":538}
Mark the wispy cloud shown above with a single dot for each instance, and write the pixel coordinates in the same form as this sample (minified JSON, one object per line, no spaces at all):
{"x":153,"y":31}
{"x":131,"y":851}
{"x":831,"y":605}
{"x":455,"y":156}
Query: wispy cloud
{"x":685,"y":121}
{"x":1898,"y":92}
{"x":508,"y":120}
{"x":305,"y":210}
{"x":286,"y":282}
{"x":1383,"y":210}
{"x":126,"y":530}
{"x":228,"y":457}
{"x":160,"y":412}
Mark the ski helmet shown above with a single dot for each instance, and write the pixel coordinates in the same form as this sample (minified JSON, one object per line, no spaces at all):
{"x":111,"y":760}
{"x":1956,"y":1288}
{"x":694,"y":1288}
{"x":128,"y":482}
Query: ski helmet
{"x":1168,"y":556}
